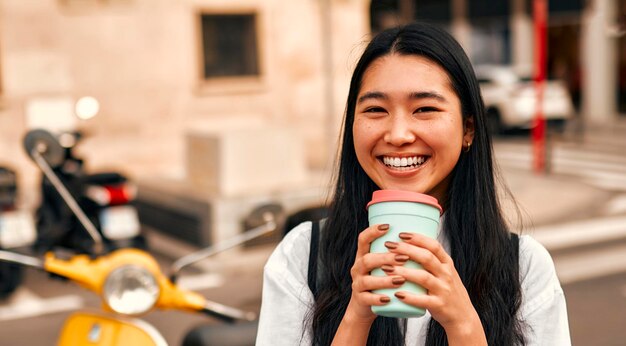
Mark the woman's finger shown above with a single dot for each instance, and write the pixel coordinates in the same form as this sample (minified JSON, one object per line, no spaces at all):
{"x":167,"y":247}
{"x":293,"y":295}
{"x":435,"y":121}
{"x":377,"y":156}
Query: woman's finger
{"x":420,"y":255}
{"x":428,"y":243}
{"x":368,"y":235}
{"x":423,"y":301}
{"x":421,"y":277}
{"x":369,"y":298}
{"x":371,"y":261}
{"x":370,"y":283}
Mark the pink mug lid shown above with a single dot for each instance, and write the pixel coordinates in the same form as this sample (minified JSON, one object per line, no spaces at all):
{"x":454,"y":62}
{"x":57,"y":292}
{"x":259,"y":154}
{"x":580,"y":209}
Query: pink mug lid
{"x":403,"y":196}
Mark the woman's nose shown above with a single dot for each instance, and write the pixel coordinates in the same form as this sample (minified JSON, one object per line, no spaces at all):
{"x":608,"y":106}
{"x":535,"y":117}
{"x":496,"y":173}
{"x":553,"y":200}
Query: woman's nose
{"x":399,"y":132}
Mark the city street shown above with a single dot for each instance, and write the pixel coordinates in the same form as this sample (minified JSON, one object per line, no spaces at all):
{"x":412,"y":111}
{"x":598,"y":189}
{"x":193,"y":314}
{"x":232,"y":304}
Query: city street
{"x":578,"y":213}
{"x":192,"y":122}
{"x":583,"y":225}
{"x":597,"y":310}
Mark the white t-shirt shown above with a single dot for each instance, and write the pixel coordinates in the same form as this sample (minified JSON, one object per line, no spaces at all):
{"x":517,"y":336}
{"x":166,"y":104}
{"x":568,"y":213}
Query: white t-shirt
{"x":287,"y":298}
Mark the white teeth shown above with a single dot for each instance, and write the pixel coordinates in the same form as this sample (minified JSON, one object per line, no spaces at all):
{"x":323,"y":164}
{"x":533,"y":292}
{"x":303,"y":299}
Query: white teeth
{"x":403,"y":163}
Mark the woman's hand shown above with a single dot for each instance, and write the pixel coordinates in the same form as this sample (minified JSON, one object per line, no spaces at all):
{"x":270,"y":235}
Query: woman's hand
{"x":447,"y":299}
{"x":359,"y":307}
{"x":358,"y":318}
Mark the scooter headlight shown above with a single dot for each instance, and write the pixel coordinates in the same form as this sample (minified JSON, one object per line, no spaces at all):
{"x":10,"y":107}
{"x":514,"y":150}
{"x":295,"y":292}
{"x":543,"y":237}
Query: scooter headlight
{"x":131,"y":290}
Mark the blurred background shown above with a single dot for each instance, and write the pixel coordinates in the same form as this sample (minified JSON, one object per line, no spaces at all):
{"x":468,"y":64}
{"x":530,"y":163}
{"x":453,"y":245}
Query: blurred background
{"x":212,"y":108}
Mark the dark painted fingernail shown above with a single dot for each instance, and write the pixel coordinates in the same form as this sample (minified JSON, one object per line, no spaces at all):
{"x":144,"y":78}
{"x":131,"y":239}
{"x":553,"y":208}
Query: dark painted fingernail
{"x":400,"y":295}
{"x":383,"y":227}
{"x":401,"y":258}
{"x":387,"y":268}
{"x":405,"y":236}
{"x":385,"y":299}
{"x":391,"y":245}
{"x":398,"y":280}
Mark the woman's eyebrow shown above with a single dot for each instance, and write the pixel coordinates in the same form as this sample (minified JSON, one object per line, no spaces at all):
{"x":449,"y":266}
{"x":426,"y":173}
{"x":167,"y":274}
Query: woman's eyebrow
{"x":427,"y":95}
{"x":371,"y":95}
{"x":414,"y":95}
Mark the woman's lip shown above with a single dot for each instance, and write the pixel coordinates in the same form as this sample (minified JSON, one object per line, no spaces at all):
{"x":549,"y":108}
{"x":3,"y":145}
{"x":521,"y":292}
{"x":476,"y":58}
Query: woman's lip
{"x":401,"y":155}
{"x":398,"y":173}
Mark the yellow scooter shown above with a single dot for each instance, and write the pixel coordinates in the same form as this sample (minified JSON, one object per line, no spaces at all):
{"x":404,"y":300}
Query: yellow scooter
{"x":131,"y":284}
{"x":129,"y":281}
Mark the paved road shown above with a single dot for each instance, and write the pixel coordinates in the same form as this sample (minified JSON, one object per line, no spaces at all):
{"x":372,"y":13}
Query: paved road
{"x":596,"y":158}
{"x":597,"y":311}
{"x":589,"y":250}
{"x":596,"y":304}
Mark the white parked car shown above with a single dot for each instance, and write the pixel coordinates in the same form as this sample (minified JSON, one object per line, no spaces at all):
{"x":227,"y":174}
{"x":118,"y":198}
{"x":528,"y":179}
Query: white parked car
{"x":510,"y":99}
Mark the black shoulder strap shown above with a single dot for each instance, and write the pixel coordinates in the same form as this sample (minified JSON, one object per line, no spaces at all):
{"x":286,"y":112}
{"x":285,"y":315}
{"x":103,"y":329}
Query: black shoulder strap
{"x":312,"y":275}
{"x":515,"y":241}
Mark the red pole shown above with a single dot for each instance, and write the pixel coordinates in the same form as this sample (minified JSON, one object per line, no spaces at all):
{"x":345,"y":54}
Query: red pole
{"x":538,"y":134}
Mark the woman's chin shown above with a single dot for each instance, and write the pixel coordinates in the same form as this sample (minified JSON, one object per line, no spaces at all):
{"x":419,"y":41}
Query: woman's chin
{"x":403,"y":187}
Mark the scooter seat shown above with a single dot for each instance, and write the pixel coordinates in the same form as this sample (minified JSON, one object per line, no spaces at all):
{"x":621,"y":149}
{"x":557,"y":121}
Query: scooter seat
{"x":104,"y":179}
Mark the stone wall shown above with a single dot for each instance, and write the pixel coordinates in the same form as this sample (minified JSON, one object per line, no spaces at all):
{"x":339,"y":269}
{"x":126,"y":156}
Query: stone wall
{"x":141,"y":60}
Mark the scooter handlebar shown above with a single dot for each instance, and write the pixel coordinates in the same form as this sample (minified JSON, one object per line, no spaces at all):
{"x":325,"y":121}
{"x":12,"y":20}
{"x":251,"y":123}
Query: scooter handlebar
{"x":174,"y":297}
{"x":227,"y":313}
{"x":12,"y":257}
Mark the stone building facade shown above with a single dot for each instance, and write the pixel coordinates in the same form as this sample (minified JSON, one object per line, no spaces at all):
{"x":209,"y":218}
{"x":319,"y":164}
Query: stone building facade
{"x":241,"y":100}
{"x":155,"y":68}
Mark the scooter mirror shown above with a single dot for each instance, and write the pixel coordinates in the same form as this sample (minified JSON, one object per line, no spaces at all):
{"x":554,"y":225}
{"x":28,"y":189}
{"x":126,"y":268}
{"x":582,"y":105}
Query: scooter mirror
{"x":46,"y":144}
{"x":263,"y":214}
{"x":269,"y":217}
{"x":47,"y":152}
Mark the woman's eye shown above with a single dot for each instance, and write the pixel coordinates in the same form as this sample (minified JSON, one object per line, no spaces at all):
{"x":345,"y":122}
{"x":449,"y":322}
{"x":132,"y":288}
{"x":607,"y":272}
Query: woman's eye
{"x":374,"y":110}
{"x":426,"y":110}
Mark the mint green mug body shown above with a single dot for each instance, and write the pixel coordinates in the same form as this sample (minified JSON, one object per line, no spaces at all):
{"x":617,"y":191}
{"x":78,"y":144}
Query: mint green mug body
{"x":402,"y":216}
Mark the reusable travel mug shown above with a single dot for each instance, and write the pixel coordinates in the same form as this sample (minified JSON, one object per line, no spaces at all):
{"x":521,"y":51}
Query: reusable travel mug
{"x":404,"y":211}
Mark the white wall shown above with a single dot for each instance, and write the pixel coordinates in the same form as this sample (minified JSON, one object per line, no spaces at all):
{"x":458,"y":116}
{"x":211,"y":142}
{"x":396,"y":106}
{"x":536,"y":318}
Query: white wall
{"x":599,"y":63}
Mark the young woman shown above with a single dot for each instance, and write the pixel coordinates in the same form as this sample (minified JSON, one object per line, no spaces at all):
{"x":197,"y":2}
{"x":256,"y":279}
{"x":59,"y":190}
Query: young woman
{"x":414,"y":121}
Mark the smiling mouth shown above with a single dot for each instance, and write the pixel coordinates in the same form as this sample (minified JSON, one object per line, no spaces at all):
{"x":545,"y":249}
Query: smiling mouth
{"x":403,"y":163}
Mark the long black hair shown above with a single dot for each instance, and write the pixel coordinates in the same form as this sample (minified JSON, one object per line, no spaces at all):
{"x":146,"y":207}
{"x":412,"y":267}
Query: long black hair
{"x":479,"y":238}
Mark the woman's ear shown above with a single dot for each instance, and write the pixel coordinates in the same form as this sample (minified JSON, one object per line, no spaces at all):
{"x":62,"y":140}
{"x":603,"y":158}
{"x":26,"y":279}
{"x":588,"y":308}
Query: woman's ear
{"x":468,"y":130}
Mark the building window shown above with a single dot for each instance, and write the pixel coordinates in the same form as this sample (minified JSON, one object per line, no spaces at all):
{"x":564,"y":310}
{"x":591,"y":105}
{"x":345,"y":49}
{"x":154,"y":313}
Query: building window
{"x":434,"y":11}
{"x":384,"y":14}
{"x":478,"y":9}
{"x":559,"y":7}
{"x":390,"y":13}
{"x":229,"y":45}
{"x":491,"y":42}
{"x":491,"y":36}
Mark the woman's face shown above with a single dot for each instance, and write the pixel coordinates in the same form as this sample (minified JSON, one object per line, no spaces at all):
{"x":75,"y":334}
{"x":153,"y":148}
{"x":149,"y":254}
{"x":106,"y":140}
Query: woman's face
{"x":408,"y":129}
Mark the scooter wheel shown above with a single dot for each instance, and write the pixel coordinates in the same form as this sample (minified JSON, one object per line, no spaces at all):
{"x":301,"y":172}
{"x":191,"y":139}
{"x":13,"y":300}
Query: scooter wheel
{"x":10,"y":278}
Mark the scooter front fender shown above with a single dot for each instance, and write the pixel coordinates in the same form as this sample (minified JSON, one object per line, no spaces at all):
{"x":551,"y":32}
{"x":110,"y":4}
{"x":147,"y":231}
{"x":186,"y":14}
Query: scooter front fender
{"x":100,"y":329}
